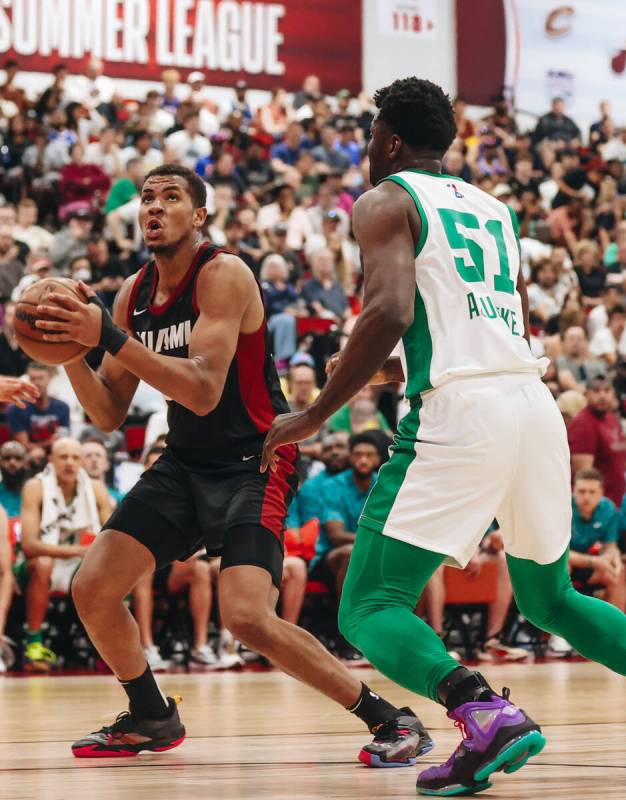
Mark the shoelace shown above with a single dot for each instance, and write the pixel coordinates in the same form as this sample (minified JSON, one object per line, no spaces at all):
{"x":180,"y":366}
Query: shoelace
{"x":123,"y":723}
{"x":386,"y":731}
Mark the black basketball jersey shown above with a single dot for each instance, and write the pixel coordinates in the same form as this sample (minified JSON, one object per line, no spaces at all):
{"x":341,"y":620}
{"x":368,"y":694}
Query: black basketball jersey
{"x":252,"y":397}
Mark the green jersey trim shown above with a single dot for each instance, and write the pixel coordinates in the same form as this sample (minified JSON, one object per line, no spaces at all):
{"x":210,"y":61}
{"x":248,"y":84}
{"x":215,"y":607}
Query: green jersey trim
{"x":418,"y":350}
{"x":434,"y":174}
{"x":514,"y":220}
{"x":420,"y":210}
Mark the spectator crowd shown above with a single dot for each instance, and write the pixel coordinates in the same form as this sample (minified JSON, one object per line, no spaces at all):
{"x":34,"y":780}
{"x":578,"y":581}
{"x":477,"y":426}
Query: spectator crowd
{"x":282,"y":179}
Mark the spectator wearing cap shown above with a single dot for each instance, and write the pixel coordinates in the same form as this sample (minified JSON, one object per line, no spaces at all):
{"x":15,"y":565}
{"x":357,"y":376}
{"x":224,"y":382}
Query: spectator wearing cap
{"x":556,"y":125}
{"x":323,"y":294}
{"x":596,"y":438}
{"x":71,"y":240}
{"x":576,"y":365}
{"x":240,"y":103}
{"x":346,"y":143}
{"x":142,"y":149}
{"x":285,"y":209}
{"x":254,"y":170}
{"x":277,"y":243}
{"x":328,"y":201}
{"x":233,"y":233}
{"x":11,"y":266}
{"x":188,"y":145}
{"x":609,"y":342}
{"x":328,"y":153}
{"x":82,"y":182}
{"x":280,"y":300}
{"x":13,"y":360}
{"x":285,"y":154}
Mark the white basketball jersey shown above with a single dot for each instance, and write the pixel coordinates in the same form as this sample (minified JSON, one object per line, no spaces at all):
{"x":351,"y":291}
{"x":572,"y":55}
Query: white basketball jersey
{"x":468,"y":314}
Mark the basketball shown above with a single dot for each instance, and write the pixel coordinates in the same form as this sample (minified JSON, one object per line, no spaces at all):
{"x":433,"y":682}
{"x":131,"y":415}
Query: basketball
{"x":30,"y":338}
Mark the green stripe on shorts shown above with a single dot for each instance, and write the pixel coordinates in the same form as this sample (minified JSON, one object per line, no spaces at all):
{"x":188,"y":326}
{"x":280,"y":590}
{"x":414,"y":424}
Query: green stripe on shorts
{"x":393,"y":473}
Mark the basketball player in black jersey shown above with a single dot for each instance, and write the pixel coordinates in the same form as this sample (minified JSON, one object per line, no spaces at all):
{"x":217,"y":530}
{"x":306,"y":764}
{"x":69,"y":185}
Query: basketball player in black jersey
{"x":191,"y":323}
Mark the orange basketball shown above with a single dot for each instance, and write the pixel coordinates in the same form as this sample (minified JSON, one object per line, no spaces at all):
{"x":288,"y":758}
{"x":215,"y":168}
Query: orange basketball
{"x":30,"y":338}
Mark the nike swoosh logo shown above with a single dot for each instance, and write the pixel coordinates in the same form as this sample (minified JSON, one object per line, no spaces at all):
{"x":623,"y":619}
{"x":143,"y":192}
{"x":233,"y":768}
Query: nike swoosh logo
{"x":137,"y":313}
{"x":247,"y":458}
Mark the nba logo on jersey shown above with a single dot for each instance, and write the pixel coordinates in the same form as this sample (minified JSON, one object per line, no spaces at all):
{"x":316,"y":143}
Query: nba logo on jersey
{"x":457,"y":194}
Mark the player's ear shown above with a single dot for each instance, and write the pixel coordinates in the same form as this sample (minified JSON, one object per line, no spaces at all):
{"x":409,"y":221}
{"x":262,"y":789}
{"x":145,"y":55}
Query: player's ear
{"x":199,"y":217}
{"x":395,"y":145}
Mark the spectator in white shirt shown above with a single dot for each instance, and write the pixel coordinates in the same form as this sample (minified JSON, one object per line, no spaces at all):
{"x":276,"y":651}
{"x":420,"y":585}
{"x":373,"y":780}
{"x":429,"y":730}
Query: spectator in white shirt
{"x":615,"y":148}
{"x":612,"y":295}
{"x":142,"y":149}
{"x":188,"y":146}
{"x":26,"y":229}
{"x":285,"y":210}
{"x":610,"y":342}
{"x":160,"y":120}
{"x":543,"y":302}
{"x":93,"y":89}
{"x":105,"y":152}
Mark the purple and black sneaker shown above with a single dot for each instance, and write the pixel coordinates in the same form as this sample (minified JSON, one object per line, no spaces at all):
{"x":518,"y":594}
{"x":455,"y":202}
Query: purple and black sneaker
{"x":496,"y":736}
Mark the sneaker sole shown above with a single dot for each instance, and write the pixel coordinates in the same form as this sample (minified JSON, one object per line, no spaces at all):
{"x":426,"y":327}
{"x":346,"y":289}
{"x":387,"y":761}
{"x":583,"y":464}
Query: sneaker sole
{"x":514,"y":755}
{"x":457,"y":791}
{"x":374,"y":760}
{"x":91,"y":752}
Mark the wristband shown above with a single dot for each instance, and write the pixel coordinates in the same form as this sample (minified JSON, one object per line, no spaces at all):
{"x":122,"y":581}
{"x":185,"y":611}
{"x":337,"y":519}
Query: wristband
{"x":112,"y":338}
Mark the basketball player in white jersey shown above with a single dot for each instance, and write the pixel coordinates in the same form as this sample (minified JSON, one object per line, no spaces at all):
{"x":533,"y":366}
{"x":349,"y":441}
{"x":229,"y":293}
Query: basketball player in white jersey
{"x":483,"y":438}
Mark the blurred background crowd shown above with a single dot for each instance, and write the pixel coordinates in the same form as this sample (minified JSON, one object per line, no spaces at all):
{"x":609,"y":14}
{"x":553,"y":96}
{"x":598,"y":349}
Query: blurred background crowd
{"x":282,"y":179}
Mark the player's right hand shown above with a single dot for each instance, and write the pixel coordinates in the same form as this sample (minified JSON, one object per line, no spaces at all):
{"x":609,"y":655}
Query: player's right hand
{"x":17,"y":391}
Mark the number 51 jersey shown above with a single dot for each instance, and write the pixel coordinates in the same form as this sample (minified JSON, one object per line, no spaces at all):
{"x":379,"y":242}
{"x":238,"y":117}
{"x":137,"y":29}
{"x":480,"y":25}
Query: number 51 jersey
{"x":468,"y":314}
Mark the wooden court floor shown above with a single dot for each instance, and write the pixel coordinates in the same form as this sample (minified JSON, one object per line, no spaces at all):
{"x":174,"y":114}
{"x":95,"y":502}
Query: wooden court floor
{"x":262,"y":735}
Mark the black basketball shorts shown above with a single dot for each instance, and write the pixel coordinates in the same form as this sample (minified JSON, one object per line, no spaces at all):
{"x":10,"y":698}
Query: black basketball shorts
{"x":229,"y":508}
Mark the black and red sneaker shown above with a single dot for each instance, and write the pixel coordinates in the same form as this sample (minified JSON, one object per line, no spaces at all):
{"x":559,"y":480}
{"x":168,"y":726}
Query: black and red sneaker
{"x":397,"y":742}
{"x":129,"y":735}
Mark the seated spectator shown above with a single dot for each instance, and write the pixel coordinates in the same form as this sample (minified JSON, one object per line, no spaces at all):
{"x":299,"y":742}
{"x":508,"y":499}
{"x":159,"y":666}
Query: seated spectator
{"x":311,"y":88}
{"x":234,"y":233}
{"x":346,"y":143}
{"x":615,"y":148}
{"x":13,"y":472}
{"x":36,"y":460}
{"x":224,"y":173}
{"x":170,"y":98}
{"x":255,"y":171}
{"x":611,"y":296}
{"x":273,"y":117}
{"x":591,"y":275}
{"x":126,"y":186}
{"x":576,"y":366}
{"x":284,"y":210}
{"x":27,"y":230}
{"x":82,"y":182}
{"x":280,"y":300}
{"x":595,"y":559}
{"x":285,"y":154}
{"x":323,"y":293}
{"x":188,"y":145}
{"x":543,"y":300}
{"x":342,"y":420}
{"x":105,"y":153}
{"x":11,"y":266}
{"x":38,"y":423}
{"x":277,"y":243}
{"x":7,"y":655}
{"x":570,"y":403}
{"x":13,"y":360}
{"x":149,"y":157}
{"x":327,"y":205}
{"x":71,"y":241}
{"x":107,"y":271}
{"x":596,"y":438}
{"x":328,"y":154}
{"x":610,"y":342}
{"x":301,"y":392}
{"x":556,"y":125}
{"x":192,"y":574}
{"x":62,"y":509}
{"x":97,"y":464}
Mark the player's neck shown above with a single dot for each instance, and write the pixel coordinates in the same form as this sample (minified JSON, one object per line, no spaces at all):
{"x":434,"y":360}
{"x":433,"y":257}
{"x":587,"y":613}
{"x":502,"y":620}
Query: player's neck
{"x":426,"y":164}
{"x":172,"y":266}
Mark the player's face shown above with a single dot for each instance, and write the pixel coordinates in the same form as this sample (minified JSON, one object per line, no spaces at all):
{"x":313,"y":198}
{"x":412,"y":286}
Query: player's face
{"x":167,"y":215}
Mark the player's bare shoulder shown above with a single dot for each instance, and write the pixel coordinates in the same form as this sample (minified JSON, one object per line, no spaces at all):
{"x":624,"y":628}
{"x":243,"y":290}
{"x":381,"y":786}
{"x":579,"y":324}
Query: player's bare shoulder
{"x":225,"y":281}
{"x":384,"y":208}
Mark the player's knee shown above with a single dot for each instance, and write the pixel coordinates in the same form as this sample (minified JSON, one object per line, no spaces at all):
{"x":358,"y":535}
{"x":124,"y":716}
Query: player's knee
{"x":90,"y":593}
{"x":249,"y":625}
{"x":40,"y":568}
{"x":543,"y":612}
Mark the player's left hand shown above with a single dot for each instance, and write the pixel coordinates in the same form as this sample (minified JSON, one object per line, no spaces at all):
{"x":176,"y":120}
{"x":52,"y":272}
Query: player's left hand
{"x":287,"y":428}
{"x":71,"y":320}
{"x":17,"y":391}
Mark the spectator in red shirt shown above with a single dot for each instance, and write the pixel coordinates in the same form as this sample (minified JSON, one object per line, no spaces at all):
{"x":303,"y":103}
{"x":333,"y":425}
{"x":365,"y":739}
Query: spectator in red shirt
{"x":596,"y":438}
{"x":81,"y":181}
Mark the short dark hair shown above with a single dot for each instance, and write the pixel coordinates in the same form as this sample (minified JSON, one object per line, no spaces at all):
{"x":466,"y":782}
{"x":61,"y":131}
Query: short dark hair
{"x":195,"y":185}
{"x":420,"y":113}
{"x":589,"y":474}
{"x":40,"y":366}
{"x":617,"y":309}
{"x":363,"y":438}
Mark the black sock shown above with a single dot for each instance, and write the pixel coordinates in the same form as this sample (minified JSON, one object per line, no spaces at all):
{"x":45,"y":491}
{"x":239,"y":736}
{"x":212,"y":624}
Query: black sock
{"x":145,"y":697}
{"x":373,"y":709}
{"x":463,"y":686}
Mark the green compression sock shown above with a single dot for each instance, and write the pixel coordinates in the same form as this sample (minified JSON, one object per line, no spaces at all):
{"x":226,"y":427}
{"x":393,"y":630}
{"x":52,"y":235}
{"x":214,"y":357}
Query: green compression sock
{"x":546,"y":597}
{"x":384,"y":580}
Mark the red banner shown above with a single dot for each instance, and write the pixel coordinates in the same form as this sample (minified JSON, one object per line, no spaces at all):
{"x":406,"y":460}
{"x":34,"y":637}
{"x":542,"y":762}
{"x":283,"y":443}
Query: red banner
{"x":266,"y":43}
